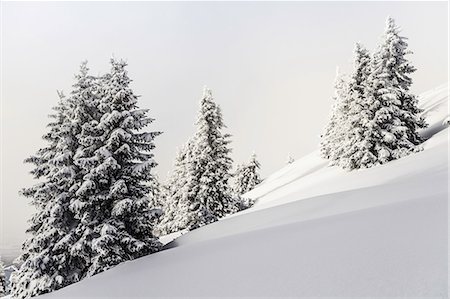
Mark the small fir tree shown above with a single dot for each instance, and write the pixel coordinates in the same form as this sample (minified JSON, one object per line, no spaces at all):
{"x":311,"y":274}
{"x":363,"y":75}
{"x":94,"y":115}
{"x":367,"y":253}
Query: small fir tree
{"x":333,"y":134}
{"x":247,"y":176}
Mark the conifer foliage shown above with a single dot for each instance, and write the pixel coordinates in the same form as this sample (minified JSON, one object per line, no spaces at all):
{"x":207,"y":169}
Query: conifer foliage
{"x":174,"y":193}
{"x":47,"y":261}
{"x":92,"y":206}
{"x":212,"y":162}
{"x":247,"y":176}
{"x":333,"y":133}
{"x":375,"y":118}
{"x":199,"y":192}
{"x":116,"y":158}
{"x":396,"y":114}
{"x":353,"y":150}
{"x":3,"y":285}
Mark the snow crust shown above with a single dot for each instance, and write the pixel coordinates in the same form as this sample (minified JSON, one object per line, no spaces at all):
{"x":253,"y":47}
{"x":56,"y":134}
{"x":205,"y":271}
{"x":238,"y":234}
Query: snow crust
{"x":314,"y":231}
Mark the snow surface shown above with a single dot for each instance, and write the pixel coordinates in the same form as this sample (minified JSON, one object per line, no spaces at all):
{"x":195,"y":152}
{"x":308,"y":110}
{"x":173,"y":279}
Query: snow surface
{"x":314,"y":231}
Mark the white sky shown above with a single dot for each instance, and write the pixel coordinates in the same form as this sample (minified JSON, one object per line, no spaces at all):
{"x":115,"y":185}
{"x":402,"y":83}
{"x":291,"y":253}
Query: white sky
{"x":271,"y":66}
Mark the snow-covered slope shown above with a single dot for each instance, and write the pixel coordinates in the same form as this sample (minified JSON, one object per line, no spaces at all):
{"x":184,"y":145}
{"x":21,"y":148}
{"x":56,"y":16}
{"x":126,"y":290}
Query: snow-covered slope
{"x":314,"y":231}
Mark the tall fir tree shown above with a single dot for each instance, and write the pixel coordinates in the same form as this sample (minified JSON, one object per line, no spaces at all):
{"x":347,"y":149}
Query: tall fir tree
{"x":354,"y":149}
{"x":47,"y":260}
{"x":116,"y":159}
{"x":210,"y":165}
{"x":92,"y":212}
{"x":247,"y":176}
{"x":393,"y":131}
{"x":3,"y":286}
{"x":199,"y":191}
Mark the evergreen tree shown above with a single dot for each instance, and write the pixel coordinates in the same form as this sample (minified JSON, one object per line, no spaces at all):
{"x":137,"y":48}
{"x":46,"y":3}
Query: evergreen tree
{"x":198,"y":191}
{"x":247,"y":176}
{"x":176,"y":205}
{"x":375,"y":117}
{"x":3,"y":286}
{"x":47,"y":261}
{"x":392,"y":132}
{"x":355,"y":146}
{"x":156,"y":193}
{"x":209,"y":166}
{"x":333,"y":135}
{"x":115,"y":157}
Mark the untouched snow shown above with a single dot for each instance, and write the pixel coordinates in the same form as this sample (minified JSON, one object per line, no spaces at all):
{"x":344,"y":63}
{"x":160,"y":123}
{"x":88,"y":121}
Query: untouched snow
{"x":314,"y":231}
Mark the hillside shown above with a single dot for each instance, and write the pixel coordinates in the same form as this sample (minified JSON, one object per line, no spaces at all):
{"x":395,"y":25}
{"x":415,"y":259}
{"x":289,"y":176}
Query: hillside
{"x":314,"y":231}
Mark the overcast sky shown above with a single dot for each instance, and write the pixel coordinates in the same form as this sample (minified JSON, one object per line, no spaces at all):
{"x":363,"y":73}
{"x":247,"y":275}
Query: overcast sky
{"x":270,"y":65}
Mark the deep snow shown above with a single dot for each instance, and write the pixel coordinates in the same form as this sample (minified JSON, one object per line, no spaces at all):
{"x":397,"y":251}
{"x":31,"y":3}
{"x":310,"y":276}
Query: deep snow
{"x":314,"y":231}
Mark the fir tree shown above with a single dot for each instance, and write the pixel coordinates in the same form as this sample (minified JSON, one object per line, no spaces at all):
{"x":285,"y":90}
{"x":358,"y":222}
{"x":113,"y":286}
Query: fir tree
{"x":209,"y":169}
{"x":156,"y":192}
{"x":3,"y":286}
{"x":47,"y":261}
{"x":199,"y":191}
{"x":92,"y":212}
{"x":247,"y":176}
{"x":112,"y":204}
{"x":333,"y":135}
{"x":355,"y":146}
{"x":176,"y":204}
{"x":392,"y":132}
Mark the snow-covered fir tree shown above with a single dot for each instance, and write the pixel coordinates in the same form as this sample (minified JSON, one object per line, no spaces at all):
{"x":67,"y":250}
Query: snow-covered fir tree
{"x":333,"y":133}
{"x":354,"y":148}
{"x":209,"y":167}
{"x":199,"y":192}
{"x":95,"y":174}
{"x":176,"y":205}
{"x":393,"y":131}
{"x":47,"y":262}
{"x":156,"y":192}
{"x":3,"y":286}
{"x":247,"y":176}
{"x":375,"y":118}
{"x":116,"y":158}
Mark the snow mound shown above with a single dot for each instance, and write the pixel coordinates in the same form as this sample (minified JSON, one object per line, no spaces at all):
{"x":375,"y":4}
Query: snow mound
{"x":435,"y":105}
{"x":314,"y":231}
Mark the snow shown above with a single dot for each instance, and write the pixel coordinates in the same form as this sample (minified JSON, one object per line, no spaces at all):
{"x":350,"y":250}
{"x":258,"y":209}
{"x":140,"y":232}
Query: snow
{"x":314,"y":231}
{"x":435,"y":104}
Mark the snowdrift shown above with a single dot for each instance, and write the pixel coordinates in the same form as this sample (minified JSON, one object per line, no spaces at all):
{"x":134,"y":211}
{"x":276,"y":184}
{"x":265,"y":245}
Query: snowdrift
{"x":314,"y":231}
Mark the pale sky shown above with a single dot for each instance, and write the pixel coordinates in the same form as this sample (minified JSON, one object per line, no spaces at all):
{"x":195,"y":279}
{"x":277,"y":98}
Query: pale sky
{"x":271,"y":67}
